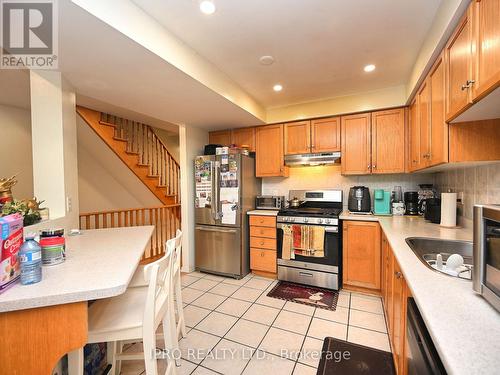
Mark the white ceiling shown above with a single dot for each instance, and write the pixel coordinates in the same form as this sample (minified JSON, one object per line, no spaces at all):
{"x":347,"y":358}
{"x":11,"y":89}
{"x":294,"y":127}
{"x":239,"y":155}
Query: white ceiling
{"x":107,"y":68}
{"x":320,"y":46}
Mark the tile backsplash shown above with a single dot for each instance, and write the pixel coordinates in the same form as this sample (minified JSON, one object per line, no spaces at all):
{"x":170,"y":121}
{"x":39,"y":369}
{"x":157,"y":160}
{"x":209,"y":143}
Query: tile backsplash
{"x":329,"y":177}
{"x":479,"y":184}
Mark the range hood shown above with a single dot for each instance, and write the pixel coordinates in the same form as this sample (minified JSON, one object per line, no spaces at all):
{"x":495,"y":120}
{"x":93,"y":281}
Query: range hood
{"x":301,"y":160}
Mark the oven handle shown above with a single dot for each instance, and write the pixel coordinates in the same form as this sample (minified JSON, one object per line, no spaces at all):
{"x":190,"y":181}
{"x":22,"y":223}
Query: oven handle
{"x":328,"y":229}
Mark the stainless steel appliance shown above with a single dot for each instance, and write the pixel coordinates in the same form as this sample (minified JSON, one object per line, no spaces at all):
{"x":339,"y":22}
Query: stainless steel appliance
{"x":225,"y":188}
{"x":302,"y":160}
{"x":486,"y":253}
{"x":309,"y":241}
{"x":269,"y":202}
{"x":422,"y":356}
{"x":359,"y":199}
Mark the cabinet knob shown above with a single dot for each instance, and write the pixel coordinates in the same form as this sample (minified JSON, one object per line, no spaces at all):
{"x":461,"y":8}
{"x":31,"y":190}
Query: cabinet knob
{"x":262,"y":254}
{"x":374,"y":166}
{"x":398,"y":275}
{"x":368,"y":166}
{"x":261,"y":243}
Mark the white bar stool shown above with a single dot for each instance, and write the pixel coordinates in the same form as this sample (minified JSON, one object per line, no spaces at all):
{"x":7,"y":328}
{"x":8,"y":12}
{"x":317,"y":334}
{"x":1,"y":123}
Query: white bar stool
{"x":138,"y":281}
{"x":134,"y":316}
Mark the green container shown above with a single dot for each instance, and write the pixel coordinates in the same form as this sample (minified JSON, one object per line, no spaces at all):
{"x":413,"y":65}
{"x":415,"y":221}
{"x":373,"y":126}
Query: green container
{"x":382,"y":202}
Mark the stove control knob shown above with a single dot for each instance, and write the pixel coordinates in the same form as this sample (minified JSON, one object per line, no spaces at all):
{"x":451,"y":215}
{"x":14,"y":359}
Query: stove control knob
{"x":320,"y":221}
{"x":306,"y":220}
{"x":327,"y":221}
{"x":285,"y":219}
{"x":292,"y":219}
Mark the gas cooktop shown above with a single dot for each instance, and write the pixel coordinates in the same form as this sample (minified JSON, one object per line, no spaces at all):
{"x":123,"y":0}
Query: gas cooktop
{"x":311,"y":212}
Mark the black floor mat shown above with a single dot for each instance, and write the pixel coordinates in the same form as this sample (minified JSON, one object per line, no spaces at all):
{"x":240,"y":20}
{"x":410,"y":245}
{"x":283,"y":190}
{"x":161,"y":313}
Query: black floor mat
{"x":345,"y":358}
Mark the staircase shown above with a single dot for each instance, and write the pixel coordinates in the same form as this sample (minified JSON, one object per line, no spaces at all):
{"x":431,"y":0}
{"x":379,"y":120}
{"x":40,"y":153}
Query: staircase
{"x":138,"y":146}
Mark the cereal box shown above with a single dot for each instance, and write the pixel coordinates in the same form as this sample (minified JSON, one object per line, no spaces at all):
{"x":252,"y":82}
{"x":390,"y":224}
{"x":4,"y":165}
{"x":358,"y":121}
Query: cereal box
{"x":11,"y":239}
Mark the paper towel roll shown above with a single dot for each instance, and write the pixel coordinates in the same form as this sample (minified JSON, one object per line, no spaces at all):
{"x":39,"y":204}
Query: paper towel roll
{"x":449,"y":209}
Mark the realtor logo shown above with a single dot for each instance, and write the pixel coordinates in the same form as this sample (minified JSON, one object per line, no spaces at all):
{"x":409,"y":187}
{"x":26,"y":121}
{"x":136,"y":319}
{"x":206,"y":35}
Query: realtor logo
{"x":29,"y":34}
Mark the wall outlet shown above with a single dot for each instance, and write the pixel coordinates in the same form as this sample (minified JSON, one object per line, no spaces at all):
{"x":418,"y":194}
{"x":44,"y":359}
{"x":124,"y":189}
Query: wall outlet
{"x":69,"y":204}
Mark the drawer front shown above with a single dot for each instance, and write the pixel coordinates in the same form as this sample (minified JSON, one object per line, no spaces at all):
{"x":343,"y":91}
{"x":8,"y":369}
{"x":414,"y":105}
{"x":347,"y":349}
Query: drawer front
{"x":263,"y":221}
{"x":267,"y":232}
{"x":263,"y":260}
{"x":263,"y":243}
{"x":309,"y":277}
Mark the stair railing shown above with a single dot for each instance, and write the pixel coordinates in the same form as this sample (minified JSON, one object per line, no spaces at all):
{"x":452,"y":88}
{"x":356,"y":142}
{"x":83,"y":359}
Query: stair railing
{"x":151,"y":150}
{"x":165,"y":219}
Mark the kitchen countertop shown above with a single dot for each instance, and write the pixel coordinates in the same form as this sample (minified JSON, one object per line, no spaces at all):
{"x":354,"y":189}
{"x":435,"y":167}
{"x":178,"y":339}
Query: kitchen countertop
{"x":464,"y":327}
{"x":263,"y":212}
{"x":99,"y":264}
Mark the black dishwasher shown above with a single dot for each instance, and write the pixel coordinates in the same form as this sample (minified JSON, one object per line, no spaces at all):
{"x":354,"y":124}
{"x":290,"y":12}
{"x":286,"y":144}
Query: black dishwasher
{"x":422,"y":356}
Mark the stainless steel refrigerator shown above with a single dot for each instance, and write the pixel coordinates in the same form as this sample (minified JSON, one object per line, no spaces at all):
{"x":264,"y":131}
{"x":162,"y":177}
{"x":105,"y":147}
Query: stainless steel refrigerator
{"x":225,"y":187}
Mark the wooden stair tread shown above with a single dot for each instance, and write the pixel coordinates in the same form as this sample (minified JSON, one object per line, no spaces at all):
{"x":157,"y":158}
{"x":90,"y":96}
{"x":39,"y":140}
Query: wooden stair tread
{"x":107,"y":124}
{"x":133,"y":159}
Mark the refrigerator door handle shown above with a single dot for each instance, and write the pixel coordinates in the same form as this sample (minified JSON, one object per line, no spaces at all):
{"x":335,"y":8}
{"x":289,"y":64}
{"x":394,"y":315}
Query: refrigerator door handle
{"x":216,"y":230}
{"x":213,"y":203}
{"x":217,"y":213}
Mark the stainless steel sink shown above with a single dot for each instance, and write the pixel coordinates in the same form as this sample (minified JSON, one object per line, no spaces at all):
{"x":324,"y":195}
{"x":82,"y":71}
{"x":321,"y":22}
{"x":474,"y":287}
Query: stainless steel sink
{"x":427,"y":249}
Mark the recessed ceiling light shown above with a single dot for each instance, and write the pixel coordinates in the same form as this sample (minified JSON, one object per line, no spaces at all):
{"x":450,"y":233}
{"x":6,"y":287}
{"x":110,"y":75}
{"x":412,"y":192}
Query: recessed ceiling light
{"x":369,"y":68}
{"x":207,"y":7}
{"x":277,"y":87}
{"x":266,"y":60}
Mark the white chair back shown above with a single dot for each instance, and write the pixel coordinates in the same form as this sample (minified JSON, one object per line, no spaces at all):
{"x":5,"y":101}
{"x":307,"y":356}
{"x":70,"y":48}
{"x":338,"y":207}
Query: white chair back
{"x":159,"y":277}
{"x":178,"y":251}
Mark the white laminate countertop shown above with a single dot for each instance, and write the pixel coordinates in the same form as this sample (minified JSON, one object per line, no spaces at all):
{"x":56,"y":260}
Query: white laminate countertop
{"x":464,"y":327}
{"x":99,"y":264}
{"x":263,"y":212}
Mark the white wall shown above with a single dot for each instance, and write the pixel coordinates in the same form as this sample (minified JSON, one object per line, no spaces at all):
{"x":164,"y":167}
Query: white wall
{"x":55,"y":165}
{"x":171,"y":141}
{"x":104,"y":181}
{"x":192,"y":141}
{"x":15,"y":149}
{"x":329,"y":177}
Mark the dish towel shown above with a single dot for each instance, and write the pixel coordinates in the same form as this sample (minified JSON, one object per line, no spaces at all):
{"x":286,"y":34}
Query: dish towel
{"x":286,"y":249}
{"x":317,"y":241}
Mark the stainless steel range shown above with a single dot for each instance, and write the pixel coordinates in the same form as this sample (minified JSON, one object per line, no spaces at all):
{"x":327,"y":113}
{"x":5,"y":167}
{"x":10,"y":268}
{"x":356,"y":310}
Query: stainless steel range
{"x":309,"y":239}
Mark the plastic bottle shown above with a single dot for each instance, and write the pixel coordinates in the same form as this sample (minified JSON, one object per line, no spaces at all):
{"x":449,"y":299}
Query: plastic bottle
{"x":30,"y":257}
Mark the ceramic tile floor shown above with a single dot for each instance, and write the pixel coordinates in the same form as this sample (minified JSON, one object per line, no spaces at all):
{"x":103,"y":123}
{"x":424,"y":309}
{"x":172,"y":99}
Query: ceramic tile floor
{"x":258,"y":334}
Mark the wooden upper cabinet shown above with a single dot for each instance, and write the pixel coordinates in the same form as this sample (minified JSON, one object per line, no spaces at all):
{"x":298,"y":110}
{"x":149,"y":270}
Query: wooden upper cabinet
{"x":244,"y":136}
{"x":388,"y":141}
{"x":414,"y":136}
{"x":356,"y":144}
{"x":362,"y":254}
{"x":486,"y":39}
{"x":325,"y":135}
{"x":298,"y":137}
{"x":438,"y":152}
{"x":424,"y":112}
{"x":269,"y":155}
{"x":458,"y":57}
{"x":222,"y":137}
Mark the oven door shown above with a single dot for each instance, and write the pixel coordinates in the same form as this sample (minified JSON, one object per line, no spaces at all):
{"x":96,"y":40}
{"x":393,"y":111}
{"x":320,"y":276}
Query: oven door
{"x":491,"y":289}
{"x":332,"y":245}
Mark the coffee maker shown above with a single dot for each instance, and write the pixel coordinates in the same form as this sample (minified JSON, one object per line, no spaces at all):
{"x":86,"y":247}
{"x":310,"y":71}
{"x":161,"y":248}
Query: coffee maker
{"x":411,"y":203}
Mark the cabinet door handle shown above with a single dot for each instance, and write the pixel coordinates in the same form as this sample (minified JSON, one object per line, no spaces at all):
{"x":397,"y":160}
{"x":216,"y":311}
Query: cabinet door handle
{"x":468,"y":84}
{"x":262,"y":254}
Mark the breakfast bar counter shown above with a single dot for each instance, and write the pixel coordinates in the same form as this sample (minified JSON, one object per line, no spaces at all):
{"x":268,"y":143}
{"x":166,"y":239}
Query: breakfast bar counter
{"x":43,"y":321}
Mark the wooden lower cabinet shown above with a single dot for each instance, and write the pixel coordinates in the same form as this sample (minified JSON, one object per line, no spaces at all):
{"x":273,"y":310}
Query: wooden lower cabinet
{"x":361,"y":254}
{"x":394,"y":294}
{"x":263,"y":245}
